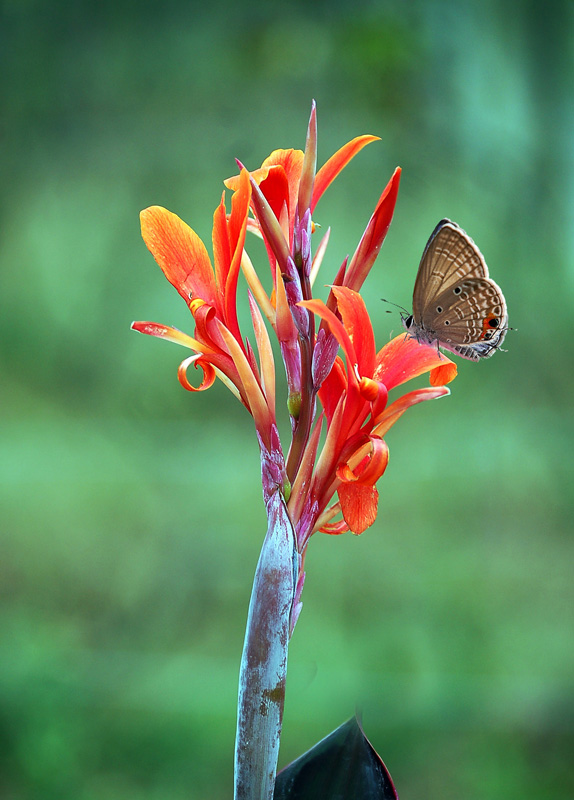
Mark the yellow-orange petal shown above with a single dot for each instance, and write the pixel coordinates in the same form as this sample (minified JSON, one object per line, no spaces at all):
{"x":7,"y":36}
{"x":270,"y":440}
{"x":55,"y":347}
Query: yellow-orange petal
{"x":335,"y":528}
{"x":208,"y":373}
{"x":180,"y":253}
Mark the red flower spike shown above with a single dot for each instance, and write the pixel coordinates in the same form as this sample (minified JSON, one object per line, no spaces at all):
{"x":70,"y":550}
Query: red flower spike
{"x":279,"y":177}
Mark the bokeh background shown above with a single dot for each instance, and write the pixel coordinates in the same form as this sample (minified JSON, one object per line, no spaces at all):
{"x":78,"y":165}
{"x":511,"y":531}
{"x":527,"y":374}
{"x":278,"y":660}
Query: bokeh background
{"x":131,"y":511}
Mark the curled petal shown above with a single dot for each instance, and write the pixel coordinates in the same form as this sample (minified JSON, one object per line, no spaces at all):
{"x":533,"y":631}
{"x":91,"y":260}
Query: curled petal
{"x":367,"y":461}
{"x":208,"y":373}
{"x":376,"y":393}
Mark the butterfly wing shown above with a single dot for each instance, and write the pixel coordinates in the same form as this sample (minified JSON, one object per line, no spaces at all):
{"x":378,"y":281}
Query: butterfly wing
{"x":469,"y":317}
{"x":449,"y":256}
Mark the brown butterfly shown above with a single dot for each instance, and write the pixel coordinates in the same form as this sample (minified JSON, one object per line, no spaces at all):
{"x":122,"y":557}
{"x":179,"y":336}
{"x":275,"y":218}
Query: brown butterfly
{"x":455,"y":302}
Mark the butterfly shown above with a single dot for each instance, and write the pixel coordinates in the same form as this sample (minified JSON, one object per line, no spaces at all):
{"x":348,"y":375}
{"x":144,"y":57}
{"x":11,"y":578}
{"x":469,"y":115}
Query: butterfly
{"x":455,"y":302}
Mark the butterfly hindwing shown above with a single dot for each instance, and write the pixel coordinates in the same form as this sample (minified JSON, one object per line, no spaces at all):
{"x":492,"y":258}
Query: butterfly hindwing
{"x":469,"y":311}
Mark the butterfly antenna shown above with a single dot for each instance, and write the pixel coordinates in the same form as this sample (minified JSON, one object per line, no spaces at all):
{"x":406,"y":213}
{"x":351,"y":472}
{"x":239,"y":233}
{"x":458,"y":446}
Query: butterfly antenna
{"x":390,"y":302}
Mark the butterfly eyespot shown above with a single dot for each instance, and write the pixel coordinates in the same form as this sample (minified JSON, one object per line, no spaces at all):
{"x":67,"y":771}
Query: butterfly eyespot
{"x":439,"y":309}
{"x":488,"y":335}
{"x":446,"y":322}
{"x":457,"y":290}
{"x":493,"y":323}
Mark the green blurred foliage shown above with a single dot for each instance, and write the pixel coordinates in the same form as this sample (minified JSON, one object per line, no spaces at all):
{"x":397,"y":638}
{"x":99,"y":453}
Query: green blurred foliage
{"x":131,"y":510}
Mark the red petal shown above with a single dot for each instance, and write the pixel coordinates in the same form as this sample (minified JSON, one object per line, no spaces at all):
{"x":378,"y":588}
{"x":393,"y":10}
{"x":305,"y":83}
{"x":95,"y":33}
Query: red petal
{"x":292,"y":162}
{"x":338,"y":330}
{"x":332,"y":388}
{"x":358,"y":505}
{"x":236,"y":229}
{"x":180,"y":253}
{"x":359,"y":327}
{"x":374,"y":235}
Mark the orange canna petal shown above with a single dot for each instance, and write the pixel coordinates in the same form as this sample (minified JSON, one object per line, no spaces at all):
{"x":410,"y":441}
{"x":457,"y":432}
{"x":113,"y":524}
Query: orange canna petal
{"x":180,"y":253}
{"x":335,"y":528}
{"x":404,"y":358}
{"x":292,"y":163}
{"x":364,"y":460}
{"x":338,"y":161}
{"x":440,"y":376}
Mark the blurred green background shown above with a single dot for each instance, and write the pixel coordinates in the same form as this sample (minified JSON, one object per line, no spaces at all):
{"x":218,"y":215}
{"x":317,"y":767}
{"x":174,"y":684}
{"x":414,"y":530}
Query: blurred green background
{"x":131,"y":511}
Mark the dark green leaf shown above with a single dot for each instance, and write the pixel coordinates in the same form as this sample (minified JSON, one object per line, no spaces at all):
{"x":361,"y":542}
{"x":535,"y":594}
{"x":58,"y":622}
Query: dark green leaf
{"x":343,"y":766}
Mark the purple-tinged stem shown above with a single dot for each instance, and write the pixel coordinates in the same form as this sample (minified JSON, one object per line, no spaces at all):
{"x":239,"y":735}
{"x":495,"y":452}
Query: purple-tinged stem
{"x":263,"y":669}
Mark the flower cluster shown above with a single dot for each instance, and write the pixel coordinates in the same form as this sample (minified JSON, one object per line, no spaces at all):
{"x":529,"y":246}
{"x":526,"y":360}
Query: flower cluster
{"x":344,"y":397}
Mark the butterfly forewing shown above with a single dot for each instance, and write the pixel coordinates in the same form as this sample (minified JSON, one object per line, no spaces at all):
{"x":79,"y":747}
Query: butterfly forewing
{"x":450,"y":256}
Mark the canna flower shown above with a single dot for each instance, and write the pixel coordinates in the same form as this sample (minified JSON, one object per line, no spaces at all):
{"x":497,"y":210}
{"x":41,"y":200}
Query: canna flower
{"x":341,"y":401}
